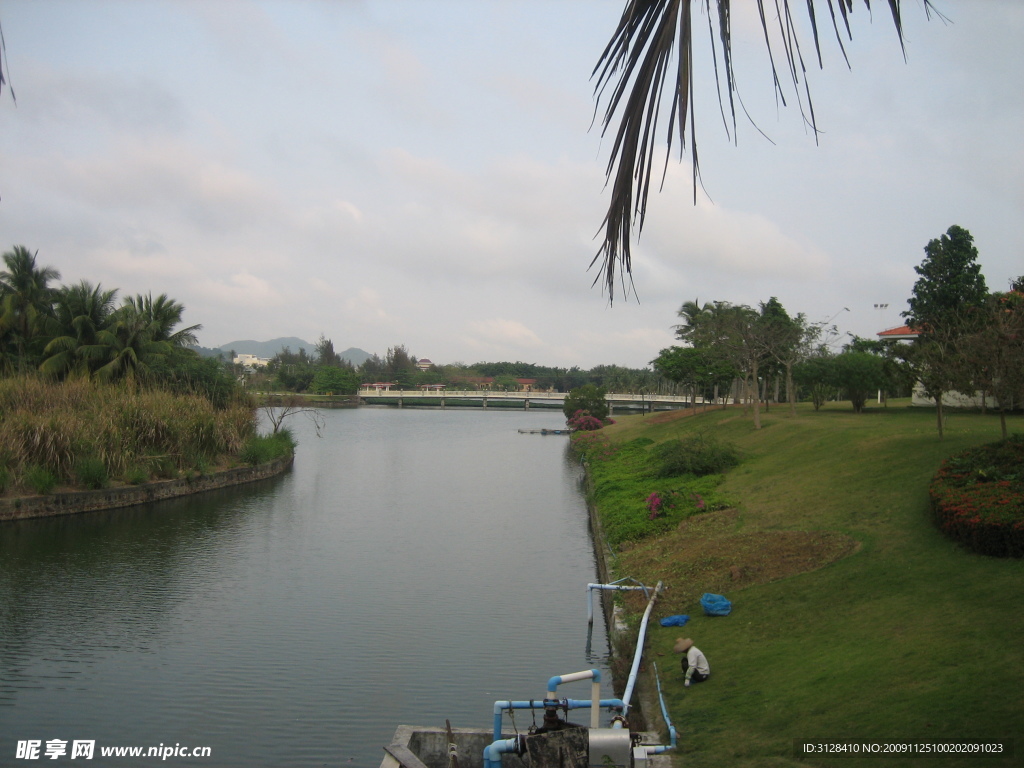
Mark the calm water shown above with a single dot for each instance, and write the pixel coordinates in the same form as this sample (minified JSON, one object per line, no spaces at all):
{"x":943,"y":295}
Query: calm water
{"x":415,"y":565}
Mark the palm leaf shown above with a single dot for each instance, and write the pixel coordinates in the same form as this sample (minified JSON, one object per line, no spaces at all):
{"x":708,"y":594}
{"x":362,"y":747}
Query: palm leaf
{"x":631,"y":76}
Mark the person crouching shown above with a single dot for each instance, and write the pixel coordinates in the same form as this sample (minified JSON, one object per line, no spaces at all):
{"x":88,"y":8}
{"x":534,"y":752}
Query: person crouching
{"x":694,"y":664}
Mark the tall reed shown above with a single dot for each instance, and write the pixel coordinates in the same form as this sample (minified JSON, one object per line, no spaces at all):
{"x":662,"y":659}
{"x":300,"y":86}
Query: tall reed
{"x":60,"y":425}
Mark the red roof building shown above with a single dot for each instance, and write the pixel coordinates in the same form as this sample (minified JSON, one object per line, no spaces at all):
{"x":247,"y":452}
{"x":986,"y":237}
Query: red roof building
{"x":902,"y":333}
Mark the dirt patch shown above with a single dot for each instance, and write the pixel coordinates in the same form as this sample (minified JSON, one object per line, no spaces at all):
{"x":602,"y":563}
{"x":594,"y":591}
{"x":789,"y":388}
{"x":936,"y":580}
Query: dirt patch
{"x":708,"y":553}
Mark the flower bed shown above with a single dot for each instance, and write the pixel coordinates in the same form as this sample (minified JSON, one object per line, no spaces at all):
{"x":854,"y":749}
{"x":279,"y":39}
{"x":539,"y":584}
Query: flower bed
{"x":978,"y":498}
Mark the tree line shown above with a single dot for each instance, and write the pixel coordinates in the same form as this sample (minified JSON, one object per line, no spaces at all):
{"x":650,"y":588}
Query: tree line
{"x":966,"y":340}
{"x":82,"y":331}
{"x":324,"y":372}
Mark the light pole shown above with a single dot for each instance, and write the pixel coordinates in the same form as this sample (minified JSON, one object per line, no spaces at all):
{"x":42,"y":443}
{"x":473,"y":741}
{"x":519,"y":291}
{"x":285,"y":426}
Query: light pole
{"x":881,"y":308}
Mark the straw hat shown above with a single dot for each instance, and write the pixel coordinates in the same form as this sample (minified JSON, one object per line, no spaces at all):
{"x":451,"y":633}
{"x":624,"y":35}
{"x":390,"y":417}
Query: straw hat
{"x":683,"y":644}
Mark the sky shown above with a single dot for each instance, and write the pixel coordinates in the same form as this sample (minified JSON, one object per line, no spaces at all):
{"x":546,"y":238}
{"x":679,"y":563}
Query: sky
{"x":429,"y":173}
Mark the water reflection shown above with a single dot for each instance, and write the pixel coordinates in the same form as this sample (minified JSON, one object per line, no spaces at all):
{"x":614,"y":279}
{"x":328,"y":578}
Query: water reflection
{"x":413,"y":566}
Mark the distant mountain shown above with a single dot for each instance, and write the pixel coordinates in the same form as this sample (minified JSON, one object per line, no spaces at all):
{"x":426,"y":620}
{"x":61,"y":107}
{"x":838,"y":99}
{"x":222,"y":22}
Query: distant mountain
{"x":206,"y":351}
{"x":355,"y":355}
{"x":270,"y":348}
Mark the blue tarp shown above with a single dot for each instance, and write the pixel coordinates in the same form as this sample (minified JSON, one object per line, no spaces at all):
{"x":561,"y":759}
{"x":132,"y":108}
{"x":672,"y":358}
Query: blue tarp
{"x":715,"y":605}
{"x":675,"y":621}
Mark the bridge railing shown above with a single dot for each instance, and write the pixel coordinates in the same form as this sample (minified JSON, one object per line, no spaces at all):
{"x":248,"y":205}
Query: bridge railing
{"x":520,"y":395}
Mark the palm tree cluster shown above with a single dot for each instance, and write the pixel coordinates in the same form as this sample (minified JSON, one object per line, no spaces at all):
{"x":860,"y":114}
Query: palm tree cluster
{"x":80,"y":330}
{"x":727,"y":342}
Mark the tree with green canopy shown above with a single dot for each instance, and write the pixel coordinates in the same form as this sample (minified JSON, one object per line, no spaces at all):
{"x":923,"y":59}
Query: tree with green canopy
{"x":858,"y":374}
{"x":589,"y":398}
{"x":26,"y":307}
{"x":81,"y":311}
{"x":946,"y":306}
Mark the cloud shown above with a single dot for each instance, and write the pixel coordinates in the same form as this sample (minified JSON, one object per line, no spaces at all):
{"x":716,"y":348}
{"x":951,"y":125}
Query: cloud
{"x":501,"y":337}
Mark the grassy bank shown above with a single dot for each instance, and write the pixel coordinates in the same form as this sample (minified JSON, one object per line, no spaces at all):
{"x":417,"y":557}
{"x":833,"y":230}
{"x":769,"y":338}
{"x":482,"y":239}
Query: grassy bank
{"x":80,"y":434}
{"x":854,"y":618}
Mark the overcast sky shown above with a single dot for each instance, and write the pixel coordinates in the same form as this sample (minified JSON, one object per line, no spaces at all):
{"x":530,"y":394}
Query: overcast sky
{"x":425,"y":173}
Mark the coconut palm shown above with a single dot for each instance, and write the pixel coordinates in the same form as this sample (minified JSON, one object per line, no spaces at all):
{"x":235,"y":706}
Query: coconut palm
{"x":82,"y":311}
{"x":127,"y":347}
{"x":164,"y":314}
{"x":653,"y":46}
{"x":692,"y":313}
{"x":26,"y":301}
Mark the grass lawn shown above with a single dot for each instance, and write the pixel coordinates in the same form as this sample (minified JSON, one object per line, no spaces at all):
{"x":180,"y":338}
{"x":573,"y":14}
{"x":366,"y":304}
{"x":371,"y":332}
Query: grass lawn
{"x":853,"y":617}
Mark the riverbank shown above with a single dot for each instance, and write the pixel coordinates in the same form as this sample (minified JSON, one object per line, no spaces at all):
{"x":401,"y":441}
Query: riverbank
{"x":816,"y":624}
{"x":76,"y":502}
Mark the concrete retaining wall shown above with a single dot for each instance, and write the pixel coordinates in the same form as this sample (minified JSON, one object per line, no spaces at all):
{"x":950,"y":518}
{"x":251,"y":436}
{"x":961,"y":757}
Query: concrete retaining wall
{"x":73,"y":502}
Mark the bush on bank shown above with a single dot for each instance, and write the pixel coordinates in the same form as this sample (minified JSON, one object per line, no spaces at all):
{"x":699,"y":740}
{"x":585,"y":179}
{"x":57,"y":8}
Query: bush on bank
{"x":637,"y":499}
{"x":86,"y":434}
{"x":978,"y":498}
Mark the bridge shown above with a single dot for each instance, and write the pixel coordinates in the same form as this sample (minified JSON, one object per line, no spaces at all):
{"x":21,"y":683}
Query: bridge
{"x":487,"y":398}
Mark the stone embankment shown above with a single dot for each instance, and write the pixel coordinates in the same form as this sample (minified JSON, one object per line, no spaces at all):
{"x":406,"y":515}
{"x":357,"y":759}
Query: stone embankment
{"x":73,"y":502}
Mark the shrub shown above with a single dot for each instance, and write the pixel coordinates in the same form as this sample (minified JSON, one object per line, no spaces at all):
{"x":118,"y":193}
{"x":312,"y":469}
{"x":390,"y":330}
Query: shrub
{"x":260,"y":449}
{"x":697,"y":455}
{"x":40,"y":479}
{"x":5,"y":478}
{"x":136,"y":475}
{"x":591,"y":446}
{"x":977,"y":497}
{"x":582,"y":421}
{"x":91,"y":472}
{"x":587,"y":398}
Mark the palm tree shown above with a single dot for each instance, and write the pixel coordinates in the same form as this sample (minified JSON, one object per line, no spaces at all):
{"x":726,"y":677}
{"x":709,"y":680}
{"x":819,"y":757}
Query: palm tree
{"x":127,"y":347}
{"x":633,"y":70}
{"x":164,"y":314}
{"x":82,"y":311}
{"x":692,"y":312}
{"x":26,"y":303}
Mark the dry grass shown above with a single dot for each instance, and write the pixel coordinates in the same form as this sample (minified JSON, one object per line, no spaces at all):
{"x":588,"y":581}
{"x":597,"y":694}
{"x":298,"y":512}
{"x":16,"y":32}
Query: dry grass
{"x":712,"y":553}
{"x":56,"y":425}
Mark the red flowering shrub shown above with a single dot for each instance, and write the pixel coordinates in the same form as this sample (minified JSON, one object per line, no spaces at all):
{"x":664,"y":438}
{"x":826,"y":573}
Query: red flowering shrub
{"x":978,"y":498}
{"x":582,"y":421}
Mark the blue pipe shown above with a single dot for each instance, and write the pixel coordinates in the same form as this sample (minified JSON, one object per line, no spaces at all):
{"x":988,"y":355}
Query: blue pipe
{"x":664,"y":713}
{"x":615,"y":585}
{"x":493,"y":752}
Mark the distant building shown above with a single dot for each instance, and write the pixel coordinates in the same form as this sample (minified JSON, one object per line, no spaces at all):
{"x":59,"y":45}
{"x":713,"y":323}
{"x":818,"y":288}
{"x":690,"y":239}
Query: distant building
{"x":250,"y":361}
{"x":905,"y":333}
{"x":424,"y":363}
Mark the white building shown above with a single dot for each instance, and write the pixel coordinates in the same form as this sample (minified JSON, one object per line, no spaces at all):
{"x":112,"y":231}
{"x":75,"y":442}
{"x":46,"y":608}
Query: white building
{"x":250,"y":361}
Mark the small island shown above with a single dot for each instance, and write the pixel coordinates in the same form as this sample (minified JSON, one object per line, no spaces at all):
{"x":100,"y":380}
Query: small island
{"x":105,"y":405}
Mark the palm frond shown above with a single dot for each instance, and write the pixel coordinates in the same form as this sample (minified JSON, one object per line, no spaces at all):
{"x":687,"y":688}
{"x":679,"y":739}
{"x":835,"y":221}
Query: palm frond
{"x":631,"y":76}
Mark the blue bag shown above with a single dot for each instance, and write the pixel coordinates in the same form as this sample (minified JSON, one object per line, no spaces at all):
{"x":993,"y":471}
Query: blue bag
{"x":715,"y":605}
{"x":675,"y":621}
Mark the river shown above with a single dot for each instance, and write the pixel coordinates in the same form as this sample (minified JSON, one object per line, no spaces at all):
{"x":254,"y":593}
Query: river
{"x":413,"y":566}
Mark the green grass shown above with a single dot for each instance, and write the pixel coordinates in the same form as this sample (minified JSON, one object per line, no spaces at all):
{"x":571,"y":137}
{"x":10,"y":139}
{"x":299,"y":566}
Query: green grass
{"x":910,"y":637}
{"x":260,"y":449}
